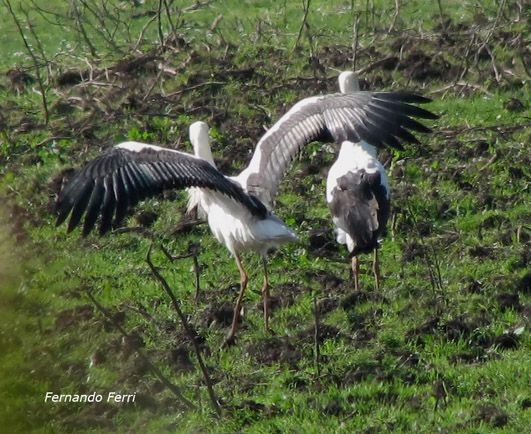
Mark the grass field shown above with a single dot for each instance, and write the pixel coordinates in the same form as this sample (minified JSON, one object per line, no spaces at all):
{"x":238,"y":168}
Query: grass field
{"x":444,"y":346}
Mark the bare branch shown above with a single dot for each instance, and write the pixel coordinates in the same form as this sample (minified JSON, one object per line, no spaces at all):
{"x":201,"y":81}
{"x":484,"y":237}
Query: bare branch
{"x":187,"y":329}
{"x":197,"y":86}
{"x":36,"y":39}
{"x":80,"y":26}
{"x":461,"y":84}
{"x":102,"y":28}
{"x":216,"y":22}
{"x":159,"y":22}
{"x":143,"y":30}
{"x":172,"y":387}
{"x":168,"y":17}
{"x":306,"y":8}
{"x":395,"y":17}
{"x":35,"y":62}
{"x":196,"y":5}
{"x":356,"y":31}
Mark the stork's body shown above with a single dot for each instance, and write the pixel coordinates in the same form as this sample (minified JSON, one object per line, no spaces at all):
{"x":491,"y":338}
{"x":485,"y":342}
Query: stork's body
{"x":237,"y":207}
{"x":231,"y":224}
{"x":358,"y":195}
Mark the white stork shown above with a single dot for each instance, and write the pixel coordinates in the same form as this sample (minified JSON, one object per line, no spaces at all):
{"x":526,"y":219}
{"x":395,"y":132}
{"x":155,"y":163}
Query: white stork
{"x":129,"y":172}
{"x":358,"y":195}
{"x":233,"y":225}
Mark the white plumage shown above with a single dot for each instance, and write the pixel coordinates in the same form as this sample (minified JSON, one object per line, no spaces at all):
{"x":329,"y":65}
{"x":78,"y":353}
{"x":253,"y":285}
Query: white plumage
{"x":230,"y":221}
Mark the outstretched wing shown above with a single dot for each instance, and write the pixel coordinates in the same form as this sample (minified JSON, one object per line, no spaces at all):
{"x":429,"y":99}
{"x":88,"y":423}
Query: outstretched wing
{"x":119,"y":178}
{"x":379,"y":118}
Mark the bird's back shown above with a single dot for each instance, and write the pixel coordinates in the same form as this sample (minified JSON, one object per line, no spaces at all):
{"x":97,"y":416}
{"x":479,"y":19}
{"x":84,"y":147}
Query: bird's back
{"x":358,"y":199}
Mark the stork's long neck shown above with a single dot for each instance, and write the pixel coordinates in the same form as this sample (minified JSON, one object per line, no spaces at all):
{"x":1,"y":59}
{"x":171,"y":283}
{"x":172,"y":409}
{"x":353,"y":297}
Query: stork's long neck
{"x":201,"y":142}
{"x":348,"y":82}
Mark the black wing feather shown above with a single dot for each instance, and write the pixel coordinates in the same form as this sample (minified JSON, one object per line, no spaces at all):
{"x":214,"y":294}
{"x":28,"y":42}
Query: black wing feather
{"x":121,"y":199}
{"x":94,"y":206}
{"x":108,"y":206}
{"x":82,"y":197}
{"x":118,"y":179}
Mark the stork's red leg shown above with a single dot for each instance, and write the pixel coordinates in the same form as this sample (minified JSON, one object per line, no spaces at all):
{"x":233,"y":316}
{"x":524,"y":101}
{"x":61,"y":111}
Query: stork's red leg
{"x":355,"y":271}
{"x":376,"y":269}
{"x":237,"y":308}
{"x":265,"y":294}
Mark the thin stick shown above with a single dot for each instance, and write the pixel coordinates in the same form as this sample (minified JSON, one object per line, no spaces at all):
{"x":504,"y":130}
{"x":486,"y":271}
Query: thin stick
{"x":500,"y":129}
{"x":216,"y":22}
{"x":316,"y":336}
{"x":187,"y":330}
{"x":441,"y":16}
{"x":143,"y":30}
{"x":395,"y":17}
{"x":432,"y":261}
{"x":192,"y":254}
{"x":493,"y":61}
{"x":174,"y":258}
{"x":159,"y":22}
{"x":81,"y":27}
{"x":101,"y":29}
{"x":155,"y":81}
{"x":172,"y":387}
{"x":196,"y":272}
{"x":306,"y":6}
{"x":37,"y":41}
{"x":196,"y":5}
{"x":143,"y":313}
{"x":168,"y":17}
{"x":356,"y":30}
{"x":35,"y":62}
{"x":196,"y":86}
{"x":463,"y":85}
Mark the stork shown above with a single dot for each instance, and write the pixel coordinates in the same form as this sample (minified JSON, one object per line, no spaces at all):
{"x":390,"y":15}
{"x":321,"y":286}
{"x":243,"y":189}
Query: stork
{"x":232,"y":225}
{"x":237,"y":207}
{"x":358,"y":195}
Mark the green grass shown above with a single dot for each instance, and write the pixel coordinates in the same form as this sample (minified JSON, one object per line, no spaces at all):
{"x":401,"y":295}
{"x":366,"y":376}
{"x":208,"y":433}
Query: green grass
{"x":443,"y":347}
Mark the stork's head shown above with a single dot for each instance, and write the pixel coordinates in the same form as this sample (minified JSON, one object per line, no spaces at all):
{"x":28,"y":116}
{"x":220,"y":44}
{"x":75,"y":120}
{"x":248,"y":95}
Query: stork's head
{"x":348,"y":82}
{"x":200,"y":139}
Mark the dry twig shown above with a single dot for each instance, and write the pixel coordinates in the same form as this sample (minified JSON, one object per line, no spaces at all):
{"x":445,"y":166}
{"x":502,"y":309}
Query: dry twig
{"x":186,"y":328}
{"x":356,"y":30}
{"x":192,"y":253}
{"x":172,"y":387}
{"x":306,"y":8}
{"x":462,"y":85}
{"x":35,"y":62}
{"x":196,"y":5}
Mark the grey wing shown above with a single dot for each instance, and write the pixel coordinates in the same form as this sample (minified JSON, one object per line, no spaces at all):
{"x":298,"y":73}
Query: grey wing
{"x":379,"y":118}
{"x":112,"y":183}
